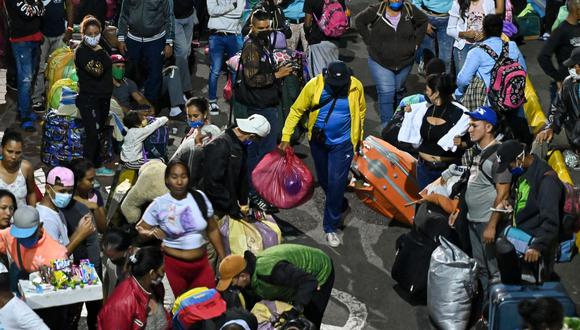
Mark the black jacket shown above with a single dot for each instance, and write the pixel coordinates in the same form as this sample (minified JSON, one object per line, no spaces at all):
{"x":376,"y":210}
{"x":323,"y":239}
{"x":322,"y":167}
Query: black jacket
{"x":24,"y":17}
{"x":561,"y":43}
{"x":225,"y":173}
{"x":392,"y":49}
{"x":94,"y":69}
{"x":279,"y":22}
{"x":541,"y":215}
{"x":565,"y":112}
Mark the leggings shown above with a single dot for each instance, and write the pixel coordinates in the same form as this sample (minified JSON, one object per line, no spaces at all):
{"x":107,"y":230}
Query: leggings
{"x":185,"y":275}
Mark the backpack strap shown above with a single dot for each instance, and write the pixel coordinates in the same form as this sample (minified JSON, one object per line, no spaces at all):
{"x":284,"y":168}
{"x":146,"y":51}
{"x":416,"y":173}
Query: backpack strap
{"x":380,"y":13}
{"x":490,"y":51}
{"x":200,"y":201}
{"x":485,"y":155}
{"x":505,"y":50}
{"x":409,"y":7}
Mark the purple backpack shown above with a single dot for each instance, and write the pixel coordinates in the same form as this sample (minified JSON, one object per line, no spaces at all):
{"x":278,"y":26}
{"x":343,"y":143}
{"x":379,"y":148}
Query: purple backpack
{"x":333,"y":22}
{"x":506,"y":90}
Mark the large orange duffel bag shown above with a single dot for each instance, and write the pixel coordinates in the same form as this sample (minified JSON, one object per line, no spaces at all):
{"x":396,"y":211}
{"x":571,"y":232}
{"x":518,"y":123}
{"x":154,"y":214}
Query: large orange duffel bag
{"x":385,"y":179}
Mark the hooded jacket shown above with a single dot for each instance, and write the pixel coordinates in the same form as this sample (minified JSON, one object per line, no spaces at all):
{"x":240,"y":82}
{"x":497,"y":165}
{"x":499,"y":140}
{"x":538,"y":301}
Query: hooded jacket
{"x":565,"y":112}
{"x":392,"y":49}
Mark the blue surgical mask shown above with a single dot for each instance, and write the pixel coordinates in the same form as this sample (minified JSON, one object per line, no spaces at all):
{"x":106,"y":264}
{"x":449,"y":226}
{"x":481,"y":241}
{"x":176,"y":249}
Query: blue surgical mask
{"x":60,"y":200}
{"x":517,"y":171}
{"x":28,"y":242}
{"x":396,"y":5}
{"x":195,"y":123}
{"x":247,"y":142}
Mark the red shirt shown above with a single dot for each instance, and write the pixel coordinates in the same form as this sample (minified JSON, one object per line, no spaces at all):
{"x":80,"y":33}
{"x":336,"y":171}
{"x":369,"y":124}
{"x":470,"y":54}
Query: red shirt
{"x":33,"y":37}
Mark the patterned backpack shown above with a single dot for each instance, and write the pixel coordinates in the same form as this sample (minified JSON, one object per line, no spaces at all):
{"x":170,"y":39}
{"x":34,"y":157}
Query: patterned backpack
{"x":506,"y":90}
{"x":333,"y":22}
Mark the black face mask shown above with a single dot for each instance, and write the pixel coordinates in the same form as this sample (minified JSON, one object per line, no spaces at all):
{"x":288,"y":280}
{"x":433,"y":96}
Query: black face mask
{"x":335,"y":91}
{"x":264,"y":36}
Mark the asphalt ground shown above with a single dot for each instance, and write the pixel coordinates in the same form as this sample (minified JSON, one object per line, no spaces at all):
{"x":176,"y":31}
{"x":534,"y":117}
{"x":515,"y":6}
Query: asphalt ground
{"x":365,"y":297}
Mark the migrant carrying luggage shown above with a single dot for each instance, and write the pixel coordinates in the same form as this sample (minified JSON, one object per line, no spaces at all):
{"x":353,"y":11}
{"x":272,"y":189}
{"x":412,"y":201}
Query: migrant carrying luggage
{"x":504,"y":300}
{"x":385,"y":179}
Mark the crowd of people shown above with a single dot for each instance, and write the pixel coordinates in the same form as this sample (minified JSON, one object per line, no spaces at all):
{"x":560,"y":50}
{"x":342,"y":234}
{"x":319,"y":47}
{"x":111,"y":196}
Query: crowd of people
{"x":133,"y":61}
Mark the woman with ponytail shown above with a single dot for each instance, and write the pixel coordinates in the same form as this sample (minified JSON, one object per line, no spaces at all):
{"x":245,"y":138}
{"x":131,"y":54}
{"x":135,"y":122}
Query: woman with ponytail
{"x":137,"y":303}
{"x":441,"y":116}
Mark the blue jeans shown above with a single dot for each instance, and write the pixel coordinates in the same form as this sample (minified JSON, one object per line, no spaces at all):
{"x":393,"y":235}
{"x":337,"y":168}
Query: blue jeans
{"x":26,"y":55}
{"x":332,"y":163}
{"x":218,"y":45}
{"x":258,"y":149}
{"x":389,"y":88}
{"x":444,"y":42}
{"x":149,"y":53}
{"x":459,"y":55}
{"x":426,"y":174}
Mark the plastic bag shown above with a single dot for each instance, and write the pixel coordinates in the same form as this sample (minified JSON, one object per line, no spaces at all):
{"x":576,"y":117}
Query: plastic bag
{"x":451,"y":285}
{"x":283,"y":180}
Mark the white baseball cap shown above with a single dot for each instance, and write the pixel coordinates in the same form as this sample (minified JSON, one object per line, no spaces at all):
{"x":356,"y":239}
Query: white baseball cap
{"x":255,"y":124}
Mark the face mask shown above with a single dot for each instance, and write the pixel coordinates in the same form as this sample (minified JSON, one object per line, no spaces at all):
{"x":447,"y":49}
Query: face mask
{"x":248,"y":142}
{"x":395,"y":5}
{"x":92,"y":41}
{"x":28,"y":242}
{"x":195,"y":123}
{"x":574,"y":74}
{"x":60,"y":200}
{"x":264,"y":35}
{"x":118,"y":73}
{"x":517,"y":171}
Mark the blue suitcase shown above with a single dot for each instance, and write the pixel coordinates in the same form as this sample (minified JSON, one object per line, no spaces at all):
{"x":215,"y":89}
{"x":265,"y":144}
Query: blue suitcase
{"x":504,"y":300}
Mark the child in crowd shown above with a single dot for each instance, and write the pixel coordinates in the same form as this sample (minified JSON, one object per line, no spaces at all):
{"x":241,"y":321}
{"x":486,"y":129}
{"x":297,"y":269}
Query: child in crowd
{"x":132,"y":154}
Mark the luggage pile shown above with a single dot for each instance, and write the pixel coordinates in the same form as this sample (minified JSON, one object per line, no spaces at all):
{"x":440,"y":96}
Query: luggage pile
{"x":258,"y":232}
{"x":63,"y":138}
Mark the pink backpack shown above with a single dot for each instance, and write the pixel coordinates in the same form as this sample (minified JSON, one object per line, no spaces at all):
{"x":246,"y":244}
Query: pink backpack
{"x":333,"y":22}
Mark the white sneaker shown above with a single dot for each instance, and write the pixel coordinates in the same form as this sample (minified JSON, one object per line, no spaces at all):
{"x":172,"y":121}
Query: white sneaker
{"x":214,"y":109}
{"x":175,"y":111}
{"x":332,"y":239}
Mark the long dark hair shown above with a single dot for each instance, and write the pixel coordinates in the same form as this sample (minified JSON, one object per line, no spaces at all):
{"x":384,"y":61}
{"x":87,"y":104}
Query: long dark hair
{"x":442,"y":83}
{"x":7,"y":193}
{"x":144,"y":260}
{"x":463,"y":8}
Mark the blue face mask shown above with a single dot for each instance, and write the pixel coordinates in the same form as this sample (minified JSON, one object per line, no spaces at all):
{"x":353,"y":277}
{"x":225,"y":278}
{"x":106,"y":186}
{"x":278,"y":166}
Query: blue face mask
{"x":28,"y":242}
{"x":396,"y":5}
{"x":517,"y":171}
{"x":61,"y":200}
{"x":247,"y":142}
{"x":195,"y":124}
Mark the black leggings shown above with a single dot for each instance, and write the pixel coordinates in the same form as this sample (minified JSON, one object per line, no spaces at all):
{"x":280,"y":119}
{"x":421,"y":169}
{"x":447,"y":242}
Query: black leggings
{"x":314,"y":311}
{"x":94,"y":112}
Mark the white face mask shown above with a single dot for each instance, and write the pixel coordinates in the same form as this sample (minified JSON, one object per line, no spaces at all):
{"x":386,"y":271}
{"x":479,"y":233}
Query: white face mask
{"x":574,"y":74}
{"x":92,"y":41}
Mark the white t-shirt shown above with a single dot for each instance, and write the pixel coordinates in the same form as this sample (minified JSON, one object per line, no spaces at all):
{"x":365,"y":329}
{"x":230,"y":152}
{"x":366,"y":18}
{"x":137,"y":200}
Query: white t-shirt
{"x":53,"y":223}
{"x":16,"y":315}
{"x":180,"y":220}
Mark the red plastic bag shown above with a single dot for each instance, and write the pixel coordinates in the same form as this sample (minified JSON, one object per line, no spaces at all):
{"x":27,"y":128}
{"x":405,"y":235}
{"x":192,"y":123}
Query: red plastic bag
{"x":228,"y":89}
{"x":283,"y":180}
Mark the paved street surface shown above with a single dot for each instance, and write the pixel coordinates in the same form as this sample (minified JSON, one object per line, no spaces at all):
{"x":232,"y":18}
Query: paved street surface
{"x":364,"y":297}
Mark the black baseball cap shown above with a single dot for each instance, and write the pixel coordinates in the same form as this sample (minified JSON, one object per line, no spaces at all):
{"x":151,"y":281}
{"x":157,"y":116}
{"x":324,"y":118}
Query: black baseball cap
{"x":338,"y":74}
{"x":508,"y":152}
{"x":573,"y":59}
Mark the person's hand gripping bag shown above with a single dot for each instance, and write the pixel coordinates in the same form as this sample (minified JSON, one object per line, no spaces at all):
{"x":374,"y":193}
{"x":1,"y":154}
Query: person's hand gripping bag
{"x":283,"y":180}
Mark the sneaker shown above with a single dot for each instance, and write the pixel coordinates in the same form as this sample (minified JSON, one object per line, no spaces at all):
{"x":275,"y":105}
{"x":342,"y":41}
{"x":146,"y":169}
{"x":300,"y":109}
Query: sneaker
{"x":38,"y":107}
{"x":260,"y":204}
{"x":332,"y":239}
{"x":103,"y":171}
{"x":175,"y":111}
{"x":214,"y":109}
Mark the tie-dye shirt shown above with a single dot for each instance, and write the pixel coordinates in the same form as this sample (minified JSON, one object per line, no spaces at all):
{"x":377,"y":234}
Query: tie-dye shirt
{"x":180,"y":220}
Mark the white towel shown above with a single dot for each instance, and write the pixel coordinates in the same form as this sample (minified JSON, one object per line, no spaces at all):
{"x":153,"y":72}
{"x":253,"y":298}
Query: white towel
{"x":410,"y":131}
{"x":446,"y":142}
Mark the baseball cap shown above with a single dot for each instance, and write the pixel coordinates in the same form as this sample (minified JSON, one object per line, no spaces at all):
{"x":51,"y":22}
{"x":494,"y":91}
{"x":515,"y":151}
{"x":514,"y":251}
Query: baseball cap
{"x":230,"y":267}
{"x":484,"y":113}
{"x":255,"y":124}
{"x":65,"y":175}
{"x":337,"y":74}
{"x":507,"y":152}
{"x":26,"y":220}
{"x":118,"y":58}
{"x":574,"y":58}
